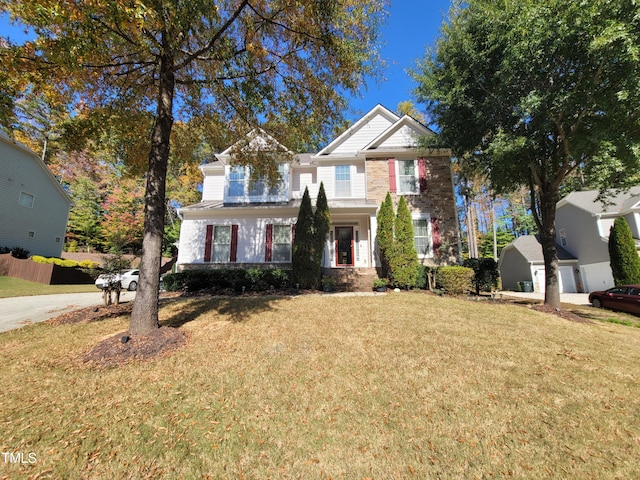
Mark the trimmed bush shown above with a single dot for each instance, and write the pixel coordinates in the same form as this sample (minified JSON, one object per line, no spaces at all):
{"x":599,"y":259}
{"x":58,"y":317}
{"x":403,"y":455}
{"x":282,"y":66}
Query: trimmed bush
{"x":253,"y":279}
{"x":485,"y":273}
{"x":455,"y":280}
{"x":625,"y":262}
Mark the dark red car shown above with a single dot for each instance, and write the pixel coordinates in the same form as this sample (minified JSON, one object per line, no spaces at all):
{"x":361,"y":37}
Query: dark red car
{"x":625,"y":298}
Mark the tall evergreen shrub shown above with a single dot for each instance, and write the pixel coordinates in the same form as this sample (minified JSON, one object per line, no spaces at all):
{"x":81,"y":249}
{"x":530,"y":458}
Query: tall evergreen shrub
{"x":404,"y":260}
{"x":384,"y":235}
{"x":304,"y":270}
{"x":321,"y":225}
{"x":625,"y":262}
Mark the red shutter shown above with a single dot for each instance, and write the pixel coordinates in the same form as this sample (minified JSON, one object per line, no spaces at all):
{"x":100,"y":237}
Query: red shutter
{"x":422,"y":174}
{"x":268,"y":243}
{"x":392,"y":174}
{"x":207,"y":243}
{"x":234,"y":243}
{"x":435,"y":236}
{"x":293,"y":233}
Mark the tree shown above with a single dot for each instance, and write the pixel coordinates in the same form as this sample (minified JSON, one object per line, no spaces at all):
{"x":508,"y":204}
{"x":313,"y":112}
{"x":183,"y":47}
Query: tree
{"x":85,"y":214}
{"x":321,"y":226}
{"x":404,"y":260}
{"x":625,"y":262}
{"x":384,"y":235}
{"x":302,"y":258}
{"x":530,"y":92}
{"x":134,"y":66}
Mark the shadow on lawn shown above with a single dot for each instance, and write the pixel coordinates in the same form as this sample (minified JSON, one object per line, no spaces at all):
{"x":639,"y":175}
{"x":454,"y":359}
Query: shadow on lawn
{"x":239,"y":309}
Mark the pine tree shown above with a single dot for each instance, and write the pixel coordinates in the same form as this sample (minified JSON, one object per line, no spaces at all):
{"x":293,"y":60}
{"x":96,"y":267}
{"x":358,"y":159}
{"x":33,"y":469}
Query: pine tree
{"x":321,"y":225}
{"x":384,"y":235}
{"x":625,"y":262}
{"x":404,"y":261}
{"x":304,"y":272}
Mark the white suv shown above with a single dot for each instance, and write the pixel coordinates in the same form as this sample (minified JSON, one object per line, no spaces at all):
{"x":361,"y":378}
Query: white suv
{"x":128,"y":279}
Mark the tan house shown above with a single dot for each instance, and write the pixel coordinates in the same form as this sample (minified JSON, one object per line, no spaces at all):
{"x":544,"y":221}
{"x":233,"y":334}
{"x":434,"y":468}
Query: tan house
{"x":245,"y":223}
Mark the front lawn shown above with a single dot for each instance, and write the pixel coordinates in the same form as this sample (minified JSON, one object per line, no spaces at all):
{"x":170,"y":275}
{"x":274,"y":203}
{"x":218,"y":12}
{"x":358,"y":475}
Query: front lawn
{"x":399,"y":386}
{"x":16,"y":287}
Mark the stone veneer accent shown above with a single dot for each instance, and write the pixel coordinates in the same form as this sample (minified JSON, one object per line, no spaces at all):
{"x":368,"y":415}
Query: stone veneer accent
{"x":438,"y":200}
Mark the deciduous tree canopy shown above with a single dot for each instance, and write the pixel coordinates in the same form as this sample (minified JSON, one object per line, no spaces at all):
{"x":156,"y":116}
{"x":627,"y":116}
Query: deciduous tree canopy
{"x":135,"y":66}
{"x":527,"y":92}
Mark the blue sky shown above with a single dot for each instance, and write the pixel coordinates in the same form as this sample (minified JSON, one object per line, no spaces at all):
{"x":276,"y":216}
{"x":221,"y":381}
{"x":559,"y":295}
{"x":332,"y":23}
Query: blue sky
{"x":411,"y":27}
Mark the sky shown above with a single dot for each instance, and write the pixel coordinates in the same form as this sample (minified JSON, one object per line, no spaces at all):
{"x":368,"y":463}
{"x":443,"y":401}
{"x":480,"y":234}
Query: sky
{"x":410,"y":27}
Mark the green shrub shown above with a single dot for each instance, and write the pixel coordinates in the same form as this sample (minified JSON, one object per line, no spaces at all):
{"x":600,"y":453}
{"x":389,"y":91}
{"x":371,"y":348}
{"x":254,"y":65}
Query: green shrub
{"x":625,"y":263}
{"x":455,"y":280}
{"x":227,"y":279}
{"x":88,"y":264}
{"x":40,"y":259}
{"x":485,"y":273}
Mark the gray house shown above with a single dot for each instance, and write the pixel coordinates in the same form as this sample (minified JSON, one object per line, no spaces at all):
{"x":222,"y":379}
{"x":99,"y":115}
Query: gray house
{"x":34,"y":207}
{"x":582,"y":235}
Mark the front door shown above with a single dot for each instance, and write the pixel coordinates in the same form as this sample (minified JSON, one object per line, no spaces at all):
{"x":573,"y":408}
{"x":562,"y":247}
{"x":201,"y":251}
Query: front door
{"x":344,"y":246}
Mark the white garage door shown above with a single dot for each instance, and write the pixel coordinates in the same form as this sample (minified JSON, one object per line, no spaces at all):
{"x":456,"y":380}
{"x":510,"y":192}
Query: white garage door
{"x":567,"y":280}
{"x":597,"y":276}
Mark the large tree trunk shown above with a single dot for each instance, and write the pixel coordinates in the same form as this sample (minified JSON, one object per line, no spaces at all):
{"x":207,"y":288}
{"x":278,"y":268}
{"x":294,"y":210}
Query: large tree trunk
{"x":547,"y":208}
{"x":144,"y":317}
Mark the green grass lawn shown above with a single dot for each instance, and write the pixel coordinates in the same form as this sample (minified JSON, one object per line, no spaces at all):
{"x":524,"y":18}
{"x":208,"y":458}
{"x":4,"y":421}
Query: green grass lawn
{"x":398,"y":386}
{"x":16,"y":287}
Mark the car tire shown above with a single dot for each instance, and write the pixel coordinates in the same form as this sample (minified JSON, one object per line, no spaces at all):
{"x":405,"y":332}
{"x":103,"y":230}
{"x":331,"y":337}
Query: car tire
{"x":596,"y":303}
{"x":133,"y":286}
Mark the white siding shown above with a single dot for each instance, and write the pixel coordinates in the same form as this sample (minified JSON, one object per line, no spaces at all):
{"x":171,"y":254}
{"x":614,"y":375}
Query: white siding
{"x":46,"y":219}
{"x":404,"y":137}
{"x":363,"y":136}
{"x":326,"y":174}
{"x":302,"y":179}
{"x":213,"y":187}
{"x":605,"y":224}
{"x":358,"y":182}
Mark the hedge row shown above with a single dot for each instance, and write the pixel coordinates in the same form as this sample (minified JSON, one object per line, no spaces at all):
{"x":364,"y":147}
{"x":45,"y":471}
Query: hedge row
{"x":253,"y":279}
{"x":65,"y":263}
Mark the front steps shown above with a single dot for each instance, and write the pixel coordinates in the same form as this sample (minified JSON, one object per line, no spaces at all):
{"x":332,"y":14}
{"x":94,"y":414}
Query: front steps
{"x":351,"y":279}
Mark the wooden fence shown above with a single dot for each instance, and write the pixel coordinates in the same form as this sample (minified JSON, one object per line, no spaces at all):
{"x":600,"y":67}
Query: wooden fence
{"x":46,"y":273}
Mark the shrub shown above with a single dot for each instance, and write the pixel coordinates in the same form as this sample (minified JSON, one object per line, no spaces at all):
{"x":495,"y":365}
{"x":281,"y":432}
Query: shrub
{"x":40,"y":259}
{"x":19,"y":252}
{"x":455,"y":280}
{"x":305,"y":271}
{"x":384,"y":235}
{"x":227,"y":279}
{"x":485,"y":273}
{"x":88,"y":264}
{"x":625,"y":262}
{"x":404,"y":259}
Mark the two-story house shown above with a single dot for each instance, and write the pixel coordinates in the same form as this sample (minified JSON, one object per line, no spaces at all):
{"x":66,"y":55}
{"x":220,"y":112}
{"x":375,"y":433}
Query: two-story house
{"x":582,"y":236}
{"x":246,"y":222}
{"x":34,"y":206}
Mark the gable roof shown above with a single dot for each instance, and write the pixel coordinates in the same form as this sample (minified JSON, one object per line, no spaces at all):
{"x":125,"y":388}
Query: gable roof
{"x":404,"y":133}
{"x":530,"y":248}
{"x":616,"y":203}
{"x":36,"y":158}
{"x":255,"y":140}
{"x":361,"y":133}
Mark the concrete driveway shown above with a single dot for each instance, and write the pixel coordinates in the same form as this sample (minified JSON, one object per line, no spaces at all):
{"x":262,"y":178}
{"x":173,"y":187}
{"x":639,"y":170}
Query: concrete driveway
{"x":17,"y":312}
{"x":573,"y":298}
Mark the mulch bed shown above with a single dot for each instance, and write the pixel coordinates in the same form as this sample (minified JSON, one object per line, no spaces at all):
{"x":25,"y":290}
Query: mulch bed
{"x":566,"y":314}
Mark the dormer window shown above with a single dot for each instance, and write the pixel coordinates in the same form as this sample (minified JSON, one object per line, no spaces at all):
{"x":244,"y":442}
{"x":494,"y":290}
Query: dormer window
{"x":243,"y":187}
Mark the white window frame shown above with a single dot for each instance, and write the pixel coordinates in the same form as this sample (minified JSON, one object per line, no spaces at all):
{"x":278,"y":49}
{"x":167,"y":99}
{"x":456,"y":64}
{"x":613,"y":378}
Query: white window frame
{"x":563,"y":238}
{"x":26,"y":199}
{"x":340,"y":184}
{"x":416,"y":176}
{"x":257,"y":190}
{"x":426,"y":218}
{"x":284,"y":246}
{"x":216,"y":246}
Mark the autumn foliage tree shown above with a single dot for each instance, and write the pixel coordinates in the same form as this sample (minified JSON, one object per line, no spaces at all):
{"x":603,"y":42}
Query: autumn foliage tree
{"x":134,"y":67}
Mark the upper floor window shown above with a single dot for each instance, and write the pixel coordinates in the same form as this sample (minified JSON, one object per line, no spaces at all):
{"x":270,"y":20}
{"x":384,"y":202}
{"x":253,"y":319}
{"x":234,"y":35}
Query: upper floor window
{"x":408,"y":177}
{"x":26,"y":199}
{"x":243,"y":186}
{"x":343,"y":180}
{"x":563,"y":237}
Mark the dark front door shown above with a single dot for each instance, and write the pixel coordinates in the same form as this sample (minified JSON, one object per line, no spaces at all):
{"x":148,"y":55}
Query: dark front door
{"x":344,"y":246}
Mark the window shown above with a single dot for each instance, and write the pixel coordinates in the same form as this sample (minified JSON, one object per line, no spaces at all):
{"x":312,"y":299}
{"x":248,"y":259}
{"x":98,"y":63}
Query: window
{"x":26,"y":199}
{"x":343,"y":180}
{"x":31,"y":234}
{"x":421,"y":237}
{"x":221,"y":244}
{"x":236,"y":182}
{"x":58,"y":239}
{"x":563,"y":237}
{"x":407,"y":178}
{"x":281,"y":247}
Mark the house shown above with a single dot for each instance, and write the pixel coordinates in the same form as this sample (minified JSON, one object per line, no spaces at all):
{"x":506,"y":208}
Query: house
{"x":582,"y":227}
{"x":247,"y":223}
{"x":583,"y":223}
{"x":522,"y":261}
{"x":35,"y":208}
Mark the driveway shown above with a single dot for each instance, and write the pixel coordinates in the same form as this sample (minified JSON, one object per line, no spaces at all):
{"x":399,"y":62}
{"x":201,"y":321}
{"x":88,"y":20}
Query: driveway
{"x":573,"y":298}
{"x":17,"y":312}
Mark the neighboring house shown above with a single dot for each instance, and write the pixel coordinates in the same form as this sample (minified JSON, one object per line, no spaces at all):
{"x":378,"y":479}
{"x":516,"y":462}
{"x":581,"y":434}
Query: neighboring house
{"x":522,"y":261}
{"x":582,"y":236}
{"x":251,"y":224}
{"x":34,"y":207}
